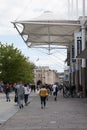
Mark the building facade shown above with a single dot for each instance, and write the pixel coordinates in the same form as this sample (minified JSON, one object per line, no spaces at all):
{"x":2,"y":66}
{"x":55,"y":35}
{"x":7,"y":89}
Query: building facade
{"x":45,"y":75}
{"x":77,"y":64}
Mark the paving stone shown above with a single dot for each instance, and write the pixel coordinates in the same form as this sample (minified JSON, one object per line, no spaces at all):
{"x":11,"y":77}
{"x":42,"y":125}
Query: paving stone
{"x":65,"y":114}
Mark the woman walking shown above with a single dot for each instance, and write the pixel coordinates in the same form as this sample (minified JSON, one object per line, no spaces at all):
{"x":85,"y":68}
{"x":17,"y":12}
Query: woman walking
{"x":43,"y":94}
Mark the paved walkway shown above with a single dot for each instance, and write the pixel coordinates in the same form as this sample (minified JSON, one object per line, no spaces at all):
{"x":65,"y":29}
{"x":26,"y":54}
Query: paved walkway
{"x":8,"y":109}
{"x":65,"y":114}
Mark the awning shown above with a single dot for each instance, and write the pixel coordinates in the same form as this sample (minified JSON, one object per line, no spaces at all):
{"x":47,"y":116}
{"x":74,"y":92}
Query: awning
{"x":47,"y":31}
{"x":83,"y":54}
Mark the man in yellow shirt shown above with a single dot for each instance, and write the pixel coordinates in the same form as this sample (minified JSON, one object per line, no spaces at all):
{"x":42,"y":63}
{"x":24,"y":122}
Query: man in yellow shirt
{"x":43,"y":94}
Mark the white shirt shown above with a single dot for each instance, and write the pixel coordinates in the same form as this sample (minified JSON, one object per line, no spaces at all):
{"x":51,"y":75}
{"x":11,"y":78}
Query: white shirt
{"x":54,"y":87}
{"x":26,"y":90}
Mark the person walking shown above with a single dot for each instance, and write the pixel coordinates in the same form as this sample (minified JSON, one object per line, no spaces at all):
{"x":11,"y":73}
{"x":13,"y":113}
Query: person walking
{"x":43,"y":95}
{"x":7,"y":91}
{"x":55,"y":91}
{"x":26,"y":94}
{"x":16,"y":95}
{"x":20,"y":93}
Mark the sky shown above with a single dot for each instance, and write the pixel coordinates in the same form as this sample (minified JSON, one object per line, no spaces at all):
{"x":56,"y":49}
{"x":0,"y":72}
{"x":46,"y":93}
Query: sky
{"x":13,"y":10}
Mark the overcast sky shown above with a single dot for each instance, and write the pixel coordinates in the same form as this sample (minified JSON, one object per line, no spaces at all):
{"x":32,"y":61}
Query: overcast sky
{"x":11,"y":10}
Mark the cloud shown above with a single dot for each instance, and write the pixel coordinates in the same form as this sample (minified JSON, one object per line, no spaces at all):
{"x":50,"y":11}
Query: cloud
{"x":11,"y":10}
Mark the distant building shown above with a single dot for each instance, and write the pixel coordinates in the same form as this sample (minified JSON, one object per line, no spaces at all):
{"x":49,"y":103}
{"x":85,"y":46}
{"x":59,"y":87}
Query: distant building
{"x":61,"y":77}
{"x":45,"y":75}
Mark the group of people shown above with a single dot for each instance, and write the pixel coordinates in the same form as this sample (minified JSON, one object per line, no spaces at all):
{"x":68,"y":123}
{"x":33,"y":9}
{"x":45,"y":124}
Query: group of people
{"x":22,"y":94}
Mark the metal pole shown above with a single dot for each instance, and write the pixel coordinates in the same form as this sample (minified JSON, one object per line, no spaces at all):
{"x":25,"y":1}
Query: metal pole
{"x":68,"y":9}
{"x":77,"y":8}
{"x":83,"y":47}
{"x":72,"y":8}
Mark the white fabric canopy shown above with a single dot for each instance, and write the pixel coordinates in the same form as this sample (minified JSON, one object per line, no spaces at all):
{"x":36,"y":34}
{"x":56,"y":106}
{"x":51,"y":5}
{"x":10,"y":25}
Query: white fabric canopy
{"x":47,"y":30}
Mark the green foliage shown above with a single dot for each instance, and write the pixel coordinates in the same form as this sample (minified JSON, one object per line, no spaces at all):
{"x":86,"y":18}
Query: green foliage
{"x":14,"y":66}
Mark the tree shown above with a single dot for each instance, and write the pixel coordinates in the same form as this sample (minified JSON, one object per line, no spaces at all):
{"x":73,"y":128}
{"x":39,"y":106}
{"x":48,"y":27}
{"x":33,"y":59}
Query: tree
{"x":14,"y":66}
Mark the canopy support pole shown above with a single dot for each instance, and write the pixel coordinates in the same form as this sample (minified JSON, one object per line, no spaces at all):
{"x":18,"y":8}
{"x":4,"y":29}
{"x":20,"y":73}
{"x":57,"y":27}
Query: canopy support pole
{"x":83,"y":47}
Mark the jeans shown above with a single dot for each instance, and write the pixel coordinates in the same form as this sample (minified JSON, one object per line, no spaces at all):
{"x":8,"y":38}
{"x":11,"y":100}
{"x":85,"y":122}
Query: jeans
{"x":8,"y":96}
{"x":26,"y":98}
{"x":43,"y":101}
